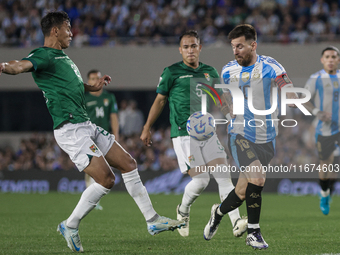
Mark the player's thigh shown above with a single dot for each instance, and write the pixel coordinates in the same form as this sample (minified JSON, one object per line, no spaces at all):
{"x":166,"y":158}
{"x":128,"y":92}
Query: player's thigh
{"x":75,"y":140}
{"x":119,"y":158}
{"x":325,"y":146}
{"x":214,"y":152}
{"x":101,"y":172}
{"x":188,"y":154}
{"x":242,"y":151}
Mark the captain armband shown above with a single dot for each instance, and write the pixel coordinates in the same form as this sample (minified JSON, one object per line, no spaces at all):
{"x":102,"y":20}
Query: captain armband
{"x":283,"y":80}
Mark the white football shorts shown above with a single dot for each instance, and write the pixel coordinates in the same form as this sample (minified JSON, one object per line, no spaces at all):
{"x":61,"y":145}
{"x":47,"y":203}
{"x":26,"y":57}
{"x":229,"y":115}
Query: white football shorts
{"x":83,"y":140}
{"x":191,"y":153}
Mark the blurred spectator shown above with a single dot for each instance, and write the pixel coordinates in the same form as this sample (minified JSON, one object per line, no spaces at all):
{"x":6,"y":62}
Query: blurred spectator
{"x":133,"y":120}
{"x":156,"y":22}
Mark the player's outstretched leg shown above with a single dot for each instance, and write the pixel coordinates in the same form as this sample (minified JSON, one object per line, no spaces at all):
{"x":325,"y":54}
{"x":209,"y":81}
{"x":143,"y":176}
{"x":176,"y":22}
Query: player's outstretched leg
{"x":225,"y":186}
{"x":217,"y":212}
{"x":120,"y":159}
{"x":71,"y":236}
{"x":191,"y":192}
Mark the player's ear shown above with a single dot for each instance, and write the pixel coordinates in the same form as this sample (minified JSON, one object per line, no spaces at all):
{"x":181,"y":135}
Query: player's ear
{"x":200,"y":47}
{"x":180,"y":50}
{"x":253,"y":45}
{"x":54,"y":31}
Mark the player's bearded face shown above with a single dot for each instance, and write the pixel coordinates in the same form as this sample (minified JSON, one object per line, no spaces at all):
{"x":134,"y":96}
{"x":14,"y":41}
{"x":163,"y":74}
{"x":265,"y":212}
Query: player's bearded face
{"x":242,"y":51}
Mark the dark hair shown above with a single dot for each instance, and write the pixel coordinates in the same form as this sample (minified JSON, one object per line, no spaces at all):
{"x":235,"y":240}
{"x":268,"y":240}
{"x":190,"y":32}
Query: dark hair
{"x":246,"y":30}
{"x":190,"y":33}
{"x":53,"y":19}
{"x":91,"y":72}
{"x":330,"y":48}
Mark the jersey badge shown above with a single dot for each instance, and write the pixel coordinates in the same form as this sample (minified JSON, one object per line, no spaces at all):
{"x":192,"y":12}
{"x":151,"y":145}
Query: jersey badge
{"x":106,"y":101}
{"x":191,"y":158}
{"x":245,"y":76}
{"x":207,"y":76}
{"x":335,"y":84}
{"x":93,"y":148}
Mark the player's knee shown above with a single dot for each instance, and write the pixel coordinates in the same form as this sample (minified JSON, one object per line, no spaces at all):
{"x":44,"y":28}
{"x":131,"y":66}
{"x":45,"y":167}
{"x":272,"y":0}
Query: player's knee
{"x":202,"y":180}
{"x":259,"y":181}
{"x":109,"y":180}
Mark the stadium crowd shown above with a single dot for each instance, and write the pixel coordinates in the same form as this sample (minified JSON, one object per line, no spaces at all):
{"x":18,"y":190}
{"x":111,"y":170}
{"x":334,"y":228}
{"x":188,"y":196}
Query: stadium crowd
{"x":158,"y":22}
{"x":294,"y":146}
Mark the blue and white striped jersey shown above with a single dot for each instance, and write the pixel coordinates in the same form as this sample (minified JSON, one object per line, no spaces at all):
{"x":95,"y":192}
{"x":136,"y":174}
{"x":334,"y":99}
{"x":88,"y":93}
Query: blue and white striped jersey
{"x":325,"y":90}
{"x":261,"y":78}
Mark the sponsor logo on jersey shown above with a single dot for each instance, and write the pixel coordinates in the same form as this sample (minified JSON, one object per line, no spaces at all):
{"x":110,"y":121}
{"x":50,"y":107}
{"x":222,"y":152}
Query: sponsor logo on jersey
{"x":59,"y":57}
{"x":106,"y":101}
{"x":191,"y":158}
{"x":93,"y":148}
{"x":186,"y":76}
{"x":91,"y":103}
{"x":207,"y":76}
{"x":30,"y":55}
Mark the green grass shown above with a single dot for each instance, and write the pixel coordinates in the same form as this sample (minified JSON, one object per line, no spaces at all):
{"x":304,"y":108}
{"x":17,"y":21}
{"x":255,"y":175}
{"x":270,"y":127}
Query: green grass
{"x":290,"y":225}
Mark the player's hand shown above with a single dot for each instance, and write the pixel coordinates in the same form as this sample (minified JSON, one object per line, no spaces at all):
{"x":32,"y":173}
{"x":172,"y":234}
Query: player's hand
{"x":324,"y":116}
{"x":146,"y":137}
{"x":292,"y":95}
{"x":2,"y":67}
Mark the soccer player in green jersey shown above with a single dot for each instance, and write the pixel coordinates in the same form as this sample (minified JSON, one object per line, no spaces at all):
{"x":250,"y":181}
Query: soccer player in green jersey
{"x":90,"y":147}
{"x":174,"y":86}
{"x":101,"y":106}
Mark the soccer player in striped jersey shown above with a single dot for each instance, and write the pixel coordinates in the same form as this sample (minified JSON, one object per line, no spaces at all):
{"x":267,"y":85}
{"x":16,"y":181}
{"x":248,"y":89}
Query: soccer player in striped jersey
{"x":251,"y":147}
{"x":324,"y":87}
{"x":175,"y":87}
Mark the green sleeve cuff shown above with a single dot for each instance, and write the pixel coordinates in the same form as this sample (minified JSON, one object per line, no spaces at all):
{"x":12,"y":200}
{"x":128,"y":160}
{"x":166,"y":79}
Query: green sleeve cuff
{"x":35,"y":65}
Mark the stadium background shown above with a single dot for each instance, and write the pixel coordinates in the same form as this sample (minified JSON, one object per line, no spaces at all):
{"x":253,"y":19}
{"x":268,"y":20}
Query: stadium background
{"x":135,"y":56}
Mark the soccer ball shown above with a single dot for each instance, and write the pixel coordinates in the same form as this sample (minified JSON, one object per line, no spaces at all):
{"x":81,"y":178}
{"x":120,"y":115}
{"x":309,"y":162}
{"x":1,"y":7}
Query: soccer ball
{"x":201,"y":127}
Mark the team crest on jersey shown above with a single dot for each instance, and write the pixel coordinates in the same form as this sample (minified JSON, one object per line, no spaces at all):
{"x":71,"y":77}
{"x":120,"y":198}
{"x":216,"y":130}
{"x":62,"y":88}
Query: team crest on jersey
{"x":335,"y":84}
{"x":245,"y":76}
{"x":191,"y":158}
{"x":93,"y":148}
{"x":106,"y":101}
{"x":207,"y":76}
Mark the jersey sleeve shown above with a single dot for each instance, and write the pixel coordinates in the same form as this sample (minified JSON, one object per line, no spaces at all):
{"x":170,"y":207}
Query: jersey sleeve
{"x":39,"y":58}
{"x":280,"y":75}
{"x":165,"y":82}
{"x":114,"y":106}
{"x":311,"y":85}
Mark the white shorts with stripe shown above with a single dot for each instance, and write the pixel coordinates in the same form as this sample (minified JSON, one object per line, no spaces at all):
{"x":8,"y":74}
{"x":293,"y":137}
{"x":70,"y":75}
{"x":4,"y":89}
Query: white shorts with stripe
{"x":191,"y":153}
{"x":83,"y":140}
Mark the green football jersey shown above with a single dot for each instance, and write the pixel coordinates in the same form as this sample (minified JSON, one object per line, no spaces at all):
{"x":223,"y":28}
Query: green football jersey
{"x":179,"y":83}
{"x":99,"y":108}
{"x":61,"y":83}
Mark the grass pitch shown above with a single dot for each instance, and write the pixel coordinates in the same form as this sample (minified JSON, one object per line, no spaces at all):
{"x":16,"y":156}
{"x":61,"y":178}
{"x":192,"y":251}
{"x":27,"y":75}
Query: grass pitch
{"x":290,"y":225}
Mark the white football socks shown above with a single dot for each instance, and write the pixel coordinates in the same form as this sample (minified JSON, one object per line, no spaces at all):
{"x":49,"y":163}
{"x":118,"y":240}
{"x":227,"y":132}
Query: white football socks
{"x":138,"y":192}
{"x":225,"y":185}
{"x":193,"y":189}
{"x":87,"y":202}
